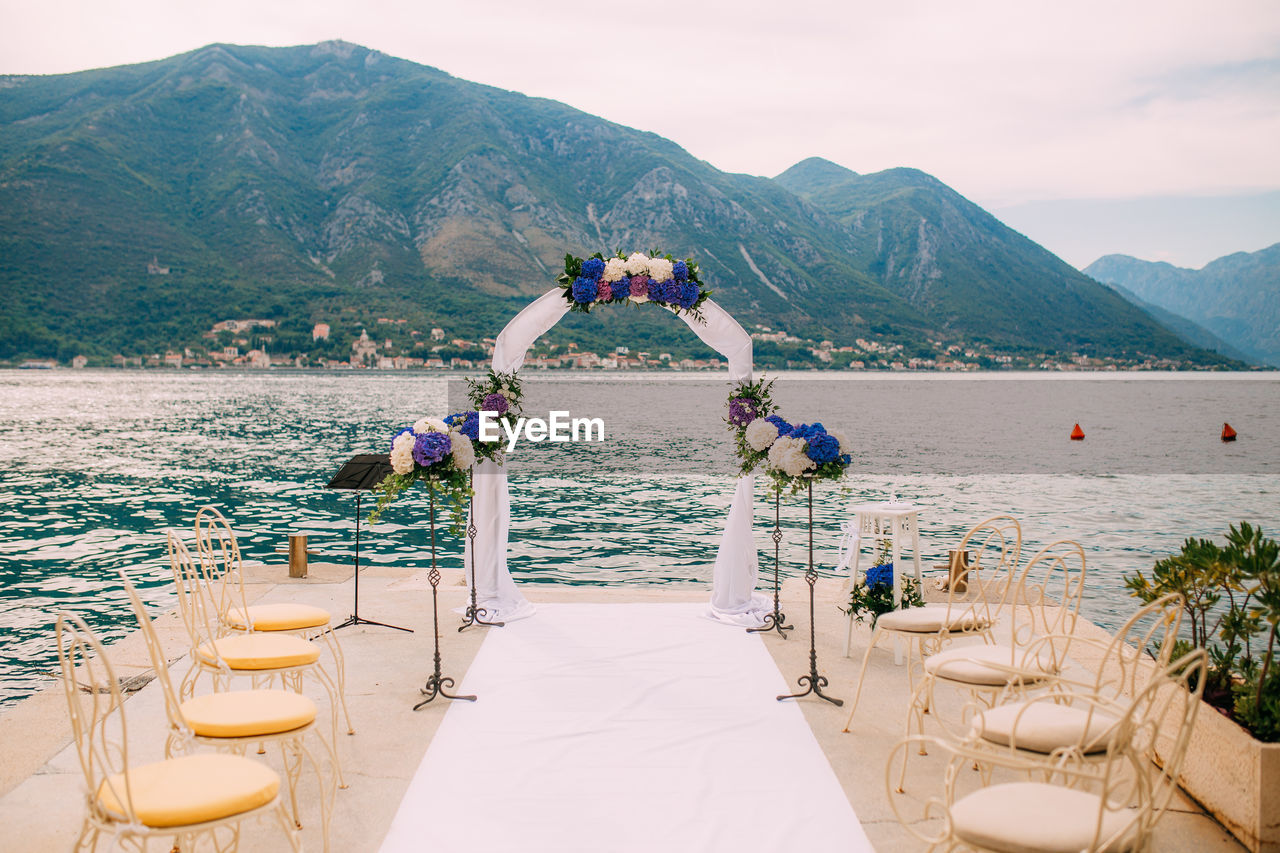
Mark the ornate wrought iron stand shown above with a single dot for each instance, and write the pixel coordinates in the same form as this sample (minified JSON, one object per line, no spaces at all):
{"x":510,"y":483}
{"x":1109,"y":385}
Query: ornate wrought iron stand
{"x":775,"y":621}
{"x":474,"y":614}
{"x":815,"y":681}
{"x":437,"y":683}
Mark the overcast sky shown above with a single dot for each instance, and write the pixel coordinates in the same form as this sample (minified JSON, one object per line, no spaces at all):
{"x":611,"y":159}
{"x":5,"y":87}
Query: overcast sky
{"x":1009,"y":102}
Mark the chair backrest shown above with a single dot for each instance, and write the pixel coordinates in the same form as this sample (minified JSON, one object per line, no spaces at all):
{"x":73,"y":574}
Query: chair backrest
{"x":219,"y":554}
{"x":1158,"y":725}
{"x":95,"y":704}
{"x":996,"y":548}
{"x":1141,"y":648}
{"x":849,"y":541}
{"x":195,"y":598}
{"x":1044,"y":602}
{"x":159,"y":662}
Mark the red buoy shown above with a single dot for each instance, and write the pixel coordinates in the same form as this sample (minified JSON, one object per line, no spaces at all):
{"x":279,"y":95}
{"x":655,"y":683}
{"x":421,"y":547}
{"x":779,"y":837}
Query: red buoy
{"x":1228,"y":434}
{"x":1077,"y":434}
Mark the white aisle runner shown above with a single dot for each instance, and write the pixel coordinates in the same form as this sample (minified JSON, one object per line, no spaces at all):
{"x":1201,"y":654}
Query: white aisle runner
{"x":623,"y":727}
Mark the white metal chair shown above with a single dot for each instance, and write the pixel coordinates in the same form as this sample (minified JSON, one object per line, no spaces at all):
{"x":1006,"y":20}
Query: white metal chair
{"x":220,"y":559}
{"x":1070,"y":723}
{"x":1113,"y":808}
{"x":186,"y":799}
{"x":233,"y":720}
{"x":1040,"y":613}
{"x":223,"y":654}
{"x":997,"y":544}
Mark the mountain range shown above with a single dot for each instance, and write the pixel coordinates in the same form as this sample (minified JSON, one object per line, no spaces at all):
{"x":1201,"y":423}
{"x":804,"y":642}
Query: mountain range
{"x":1236,"y":298}
{"x":332,"y":183}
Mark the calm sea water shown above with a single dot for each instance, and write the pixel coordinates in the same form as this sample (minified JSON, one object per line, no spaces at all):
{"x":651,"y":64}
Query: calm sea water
{"x":95,"y":465}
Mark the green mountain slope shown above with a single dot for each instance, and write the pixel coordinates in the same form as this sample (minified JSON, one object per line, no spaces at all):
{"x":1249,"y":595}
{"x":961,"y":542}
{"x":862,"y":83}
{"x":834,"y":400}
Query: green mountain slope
{"x":1236,"y":297}
{"x":963,"y":269}
{"x":331,"y":183}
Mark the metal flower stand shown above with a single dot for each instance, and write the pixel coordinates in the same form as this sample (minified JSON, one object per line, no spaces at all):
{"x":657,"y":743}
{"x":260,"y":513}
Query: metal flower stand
{"x":437,"y":683}
{"x":474,"y":614}
{"x":815,"y":681}
{"x":775,"y":621}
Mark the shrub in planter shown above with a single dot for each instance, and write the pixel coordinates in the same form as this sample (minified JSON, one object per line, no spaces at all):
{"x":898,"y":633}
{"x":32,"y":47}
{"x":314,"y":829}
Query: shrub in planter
{"x":1232,"y":596}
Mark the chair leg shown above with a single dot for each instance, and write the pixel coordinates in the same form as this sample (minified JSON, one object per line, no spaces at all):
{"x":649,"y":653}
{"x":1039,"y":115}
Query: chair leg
{"x":340,"y":668}
{"x":290,"y":831}
{"x":862,"y":674}
{"x":913,"y":713}
{"x":327,"y":791}
{"x":327,"y":683}
{"x":292,"y":758}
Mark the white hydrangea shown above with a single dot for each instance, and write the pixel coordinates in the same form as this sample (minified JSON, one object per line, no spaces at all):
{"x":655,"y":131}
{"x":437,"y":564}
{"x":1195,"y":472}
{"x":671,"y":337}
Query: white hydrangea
{"x":430,"y":425}
{"x":464,"y":454}
{"x":760,"y":434}
{"x":787,"y":455}
{"x":637,"y":264}
{"x":402,"y":453}
{"x":614,"y":269}
{"x":845,"y":446}
{"x":660,"y":269}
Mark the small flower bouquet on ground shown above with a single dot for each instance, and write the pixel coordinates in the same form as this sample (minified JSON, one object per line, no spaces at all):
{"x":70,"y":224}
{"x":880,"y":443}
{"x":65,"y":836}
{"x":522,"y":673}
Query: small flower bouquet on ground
{"x":874,"y":593}
{"x":437,"y":455}
{"x":635,"y":278}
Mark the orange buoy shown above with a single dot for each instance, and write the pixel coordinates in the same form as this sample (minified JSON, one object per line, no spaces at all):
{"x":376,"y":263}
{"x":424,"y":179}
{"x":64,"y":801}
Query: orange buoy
{"x":1077,"y":434}
{"x":1228,"y":434}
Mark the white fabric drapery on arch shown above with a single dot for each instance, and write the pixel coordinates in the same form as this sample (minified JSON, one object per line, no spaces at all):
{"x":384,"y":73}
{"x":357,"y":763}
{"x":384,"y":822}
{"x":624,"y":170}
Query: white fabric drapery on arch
{"x":733,"y":596}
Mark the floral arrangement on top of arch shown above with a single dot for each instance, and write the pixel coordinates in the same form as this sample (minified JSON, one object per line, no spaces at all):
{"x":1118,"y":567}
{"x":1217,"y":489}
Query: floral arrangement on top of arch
{"x":439,"y":452}
{"x":793,"y":455}
{"x":635,"y":278}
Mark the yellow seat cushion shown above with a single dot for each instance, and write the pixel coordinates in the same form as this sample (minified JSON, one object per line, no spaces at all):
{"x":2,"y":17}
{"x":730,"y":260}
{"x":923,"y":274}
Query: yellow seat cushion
{"x":931,"y":618}
{"x":967,"y":664}
{"x":280,"y":617}
{"x":1044,"y":726}
{"x":248,"y":713}
{"x":261,"y":651}
{"x":191,"y":789}
{"x":1032,"y":817}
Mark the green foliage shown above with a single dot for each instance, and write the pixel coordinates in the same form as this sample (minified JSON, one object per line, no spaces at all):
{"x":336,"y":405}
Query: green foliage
{"x":1232,"y":595}
{"x":453,"y":487}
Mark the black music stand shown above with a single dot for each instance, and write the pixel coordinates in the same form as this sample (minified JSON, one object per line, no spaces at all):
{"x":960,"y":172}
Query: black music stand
{"x":360,"y":474}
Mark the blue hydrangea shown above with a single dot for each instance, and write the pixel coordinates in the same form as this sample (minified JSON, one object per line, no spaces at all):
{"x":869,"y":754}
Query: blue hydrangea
{"x":822,"y":448}
{"x":880,"y":576}
{"x":688,"y":294}
{"x":845,"y":458}
{"x":784,"y":428}
{"x":400,"y":433}
{"x":585,"y":290}
{"x":592,"y":268}
{"x":680,"y":270}
{"x":468,"y":423}
{"x":657,"y":292}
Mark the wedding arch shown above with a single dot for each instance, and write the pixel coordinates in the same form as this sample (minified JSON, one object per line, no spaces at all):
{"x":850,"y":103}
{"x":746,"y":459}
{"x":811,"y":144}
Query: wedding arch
{"x":733,"y":596}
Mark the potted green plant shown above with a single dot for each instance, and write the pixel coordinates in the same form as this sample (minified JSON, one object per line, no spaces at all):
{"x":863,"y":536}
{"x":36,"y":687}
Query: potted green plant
{"x":874,"y":594}
{"x":1232,"y":598}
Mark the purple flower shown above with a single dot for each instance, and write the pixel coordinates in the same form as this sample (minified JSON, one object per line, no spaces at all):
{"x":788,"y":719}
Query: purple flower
{"x":430,"y":448}
{"x":639,"y":286}
{"x":742,"y":411}
{"x":495,"y":402}
{"x":784,"y":428}
{"x":680,"y":270}
{"x":584,"y":290}
{"x":604,"y":292}
{"x":400,"y":433}
{"x":592,"y":268}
